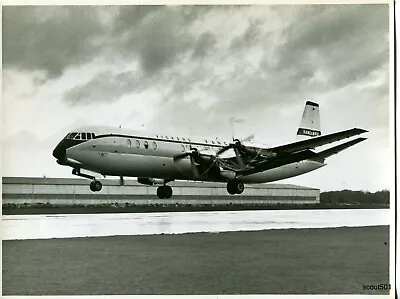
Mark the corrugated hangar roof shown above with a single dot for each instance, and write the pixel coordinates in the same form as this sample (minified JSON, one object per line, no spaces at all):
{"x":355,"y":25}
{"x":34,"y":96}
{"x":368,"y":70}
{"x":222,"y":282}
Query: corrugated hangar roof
{"x":132,"y":182}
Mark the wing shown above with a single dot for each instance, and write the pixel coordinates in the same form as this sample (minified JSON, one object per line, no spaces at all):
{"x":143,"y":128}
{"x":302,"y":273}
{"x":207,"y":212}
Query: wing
{"x":316,"y":141}
{"x":298,"y":151}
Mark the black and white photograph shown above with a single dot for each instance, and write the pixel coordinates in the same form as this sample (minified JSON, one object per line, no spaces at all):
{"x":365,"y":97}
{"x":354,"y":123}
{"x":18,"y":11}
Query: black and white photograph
{"x":180,"y":149}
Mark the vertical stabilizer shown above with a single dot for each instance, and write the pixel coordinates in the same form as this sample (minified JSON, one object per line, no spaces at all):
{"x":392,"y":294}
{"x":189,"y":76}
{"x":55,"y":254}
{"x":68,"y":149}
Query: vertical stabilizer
{"x":310,"y":122}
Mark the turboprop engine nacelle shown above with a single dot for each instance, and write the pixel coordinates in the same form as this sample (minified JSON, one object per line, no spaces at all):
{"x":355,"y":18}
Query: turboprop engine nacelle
{"x":150,"y":181}
{"x":229,"y":174}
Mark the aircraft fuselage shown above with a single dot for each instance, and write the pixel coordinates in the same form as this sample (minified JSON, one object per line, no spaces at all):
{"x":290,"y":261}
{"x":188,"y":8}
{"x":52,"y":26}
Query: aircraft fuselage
{"x":135,"y":156}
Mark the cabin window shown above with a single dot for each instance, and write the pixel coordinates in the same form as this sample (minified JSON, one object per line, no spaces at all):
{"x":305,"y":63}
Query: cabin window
{"x":77,"y":136}
{"x":218,"y":142}
{"x":183,"y":139}
{"x":83,"y":135}
{"x":177,"y":138}
{"x":212,"y":141}
{"x":88,"y":136}
{"x":154,"y":145}
{"x":129,"y":142}
{"x":137,"y":143}
{"x":93,"y":136}
{"x":146,"y":145}
{"x":172,"y":138}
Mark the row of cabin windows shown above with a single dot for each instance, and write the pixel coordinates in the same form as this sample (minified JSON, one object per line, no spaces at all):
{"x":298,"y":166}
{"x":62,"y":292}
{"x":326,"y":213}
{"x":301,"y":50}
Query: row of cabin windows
{"x":89,"y":136}
{"x":145,"y":144}
{"x":172,"y":138}
{"x":80,"y":136}
{"x":188,"y":140}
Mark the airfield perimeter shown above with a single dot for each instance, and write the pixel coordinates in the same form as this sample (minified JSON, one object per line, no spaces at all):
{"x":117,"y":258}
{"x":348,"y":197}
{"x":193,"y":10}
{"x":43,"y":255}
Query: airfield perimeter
{"x":293,"y":261}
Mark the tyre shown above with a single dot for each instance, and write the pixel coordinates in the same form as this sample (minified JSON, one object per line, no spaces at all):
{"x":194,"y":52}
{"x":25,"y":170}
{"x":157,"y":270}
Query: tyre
{"x":160,"y":192}
{"x":235,"y":187}
{"x":167,"y":191}
{"x":97,"y":185}
{"x":92,"y":187}
{"x":231,"y":188}
{"x":239,"y":188}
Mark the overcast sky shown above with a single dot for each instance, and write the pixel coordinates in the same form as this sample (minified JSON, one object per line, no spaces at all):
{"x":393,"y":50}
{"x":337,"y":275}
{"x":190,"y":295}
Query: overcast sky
{"x":187,"y":70}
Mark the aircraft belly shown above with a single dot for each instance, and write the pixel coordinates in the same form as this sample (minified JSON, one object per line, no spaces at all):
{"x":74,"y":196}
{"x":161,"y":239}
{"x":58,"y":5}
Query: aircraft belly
{"x":164,"y":167}
{"x":282,"y":172}
{"x":133,"y":165}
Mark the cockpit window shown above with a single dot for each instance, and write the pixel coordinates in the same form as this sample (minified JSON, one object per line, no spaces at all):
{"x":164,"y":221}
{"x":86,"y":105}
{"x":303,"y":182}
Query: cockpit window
{"x":80,"y":136}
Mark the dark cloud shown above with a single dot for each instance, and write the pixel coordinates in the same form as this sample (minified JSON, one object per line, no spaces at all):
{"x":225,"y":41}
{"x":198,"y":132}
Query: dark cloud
{"x":159,"y":40}
{"x":104,"y":87}
{"x":48,"y":38}
{"x":346,"y":41}
{"x":130,"y":17}
{"x":52,"y":38}
{"x":205,"y":43}
{"x":248,"y":38}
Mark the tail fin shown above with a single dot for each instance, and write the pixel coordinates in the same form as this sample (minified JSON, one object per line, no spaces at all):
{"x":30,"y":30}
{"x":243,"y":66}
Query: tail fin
{"x":310,"y":122}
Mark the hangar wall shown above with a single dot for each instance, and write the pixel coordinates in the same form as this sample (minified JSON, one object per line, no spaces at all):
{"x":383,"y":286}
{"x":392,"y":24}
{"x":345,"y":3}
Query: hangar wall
{"x":19,"y":190}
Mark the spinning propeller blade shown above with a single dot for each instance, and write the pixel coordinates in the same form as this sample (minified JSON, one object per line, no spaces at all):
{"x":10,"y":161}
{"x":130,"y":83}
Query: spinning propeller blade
{"x":182,"y":156}
{"x":235,"y":145}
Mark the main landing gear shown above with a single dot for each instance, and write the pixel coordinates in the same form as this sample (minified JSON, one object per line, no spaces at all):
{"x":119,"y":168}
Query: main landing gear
{"x":235,"y":187}
{"x":164,"y":191}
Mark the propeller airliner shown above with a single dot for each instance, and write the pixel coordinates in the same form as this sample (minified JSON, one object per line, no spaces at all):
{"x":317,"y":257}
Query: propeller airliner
{"x":159,"y":159}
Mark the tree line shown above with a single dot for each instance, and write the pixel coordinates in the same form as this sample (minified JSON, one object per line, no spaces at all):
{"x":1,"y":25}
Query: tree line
{"x":355,"y":197}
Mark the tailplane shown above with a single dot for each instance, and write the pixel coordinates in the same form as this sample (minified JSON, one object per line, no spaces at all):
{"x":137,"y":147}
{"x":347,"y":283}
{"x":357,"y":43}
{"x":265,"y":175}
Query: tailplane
{"x":310,"y":121}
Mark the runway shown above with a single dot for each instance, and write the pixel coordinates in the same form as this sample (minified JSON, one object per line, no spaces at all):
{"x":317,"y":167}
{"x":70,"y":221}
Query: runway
{"x":17,"y":227}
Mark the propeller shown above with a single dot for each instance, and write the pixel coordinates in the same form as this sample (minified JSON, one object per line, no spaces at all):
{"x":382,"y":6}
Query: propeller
{"x":193,"y":154}
{"x":236,"y":145}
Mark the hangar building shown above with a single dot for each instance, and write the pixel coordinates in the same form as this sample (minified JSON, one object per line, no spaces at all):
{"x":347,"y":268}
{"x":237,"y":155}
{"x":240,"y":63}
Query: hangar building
{"x":60,"y":191}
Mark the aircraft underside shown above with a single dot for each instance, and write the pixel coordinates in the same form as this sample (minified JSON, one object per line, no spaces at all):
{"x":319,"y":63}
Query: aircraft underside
{"x":165,"y":170}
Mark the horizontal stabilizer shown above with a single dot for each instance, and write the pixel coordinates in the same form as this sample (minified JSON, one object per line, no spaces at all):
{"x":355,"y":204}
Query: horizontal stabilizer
{"x":317,"y":141}
{"x":336,"y":149}
{"x":279,"y":161}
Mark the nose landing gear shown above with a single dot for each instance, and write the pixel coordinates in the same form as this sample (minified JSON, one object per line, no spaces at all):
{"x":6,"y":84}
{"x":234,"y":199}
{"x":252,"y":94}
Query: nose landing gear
{"x":96,"y":186}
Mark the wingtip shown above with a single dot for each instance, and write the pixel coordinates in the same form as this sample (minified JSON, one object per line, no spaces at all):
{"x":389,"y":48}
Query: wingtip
{"x":361,"y":131}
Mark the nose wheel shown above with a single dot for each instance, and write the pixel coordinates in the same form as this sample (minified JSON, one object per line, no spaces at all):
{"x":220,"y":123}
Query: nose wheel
{"x":95,"y":186}
{"x":164,"y":192}
{"x":235,"y":187}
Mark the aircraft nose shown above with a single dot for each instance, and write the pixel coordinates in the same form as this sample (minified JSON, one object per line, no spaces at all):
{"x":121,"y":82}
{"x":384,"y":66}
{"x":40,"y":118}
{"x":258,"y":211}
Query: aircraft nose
{"x":59,"y":151}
